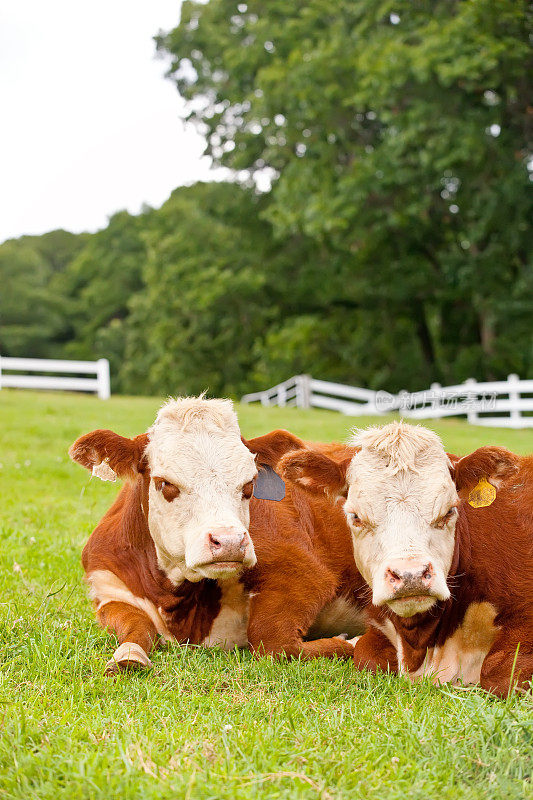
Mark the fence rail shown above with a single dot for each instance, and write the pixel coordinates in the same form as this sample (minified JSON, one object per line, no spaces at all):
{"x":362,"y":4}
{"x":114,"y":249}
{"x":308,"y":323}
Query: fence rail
{"x":481,"y":403}
{"x":100,"y":384}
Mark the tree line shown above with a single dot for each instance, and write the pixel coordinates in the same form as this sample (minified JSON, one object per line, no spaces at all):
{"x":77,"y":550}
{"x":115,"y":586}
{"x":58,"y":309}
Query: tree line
{"x":392,"y":249}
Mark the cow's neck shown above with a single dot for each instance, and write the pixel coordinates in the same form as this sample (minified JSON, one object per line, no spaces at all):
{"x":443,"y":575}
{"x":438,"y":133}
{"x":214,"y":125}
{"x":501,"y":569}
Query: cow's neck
{"x":417,"y":633}
{"x":134,"y":520}
{"x":462,"y":554}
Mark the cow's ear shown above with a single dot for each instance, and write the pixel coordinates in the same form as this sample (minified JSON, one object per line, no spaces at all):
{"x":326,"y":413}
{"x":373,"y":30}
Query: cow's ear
{"x":453,"y":459}
{"x":491,"y":464}
{"x":272,"y":446}
{"x":108,"y":455}
{"x":315,"y":472}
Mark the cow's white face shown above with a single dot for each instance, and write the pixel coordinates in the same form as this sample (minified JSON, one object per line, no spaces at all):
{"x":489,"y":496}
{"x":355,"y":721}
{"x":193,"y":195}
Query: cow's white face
{"x":401,"y":509}
{"x":201,"y":481}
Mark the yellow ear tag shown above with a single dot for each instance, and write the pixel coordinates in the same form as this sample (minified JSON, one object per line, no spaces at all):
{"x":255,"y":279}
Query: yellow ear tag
{"x":484,"y":494}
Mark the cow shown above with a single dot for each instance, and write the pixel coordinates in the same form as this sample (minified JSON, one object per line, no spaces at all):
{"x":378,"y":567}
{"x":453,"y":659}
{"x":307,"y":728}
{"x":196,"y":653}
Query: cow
{"x":445,"y":545}
{"x":203,"y":546}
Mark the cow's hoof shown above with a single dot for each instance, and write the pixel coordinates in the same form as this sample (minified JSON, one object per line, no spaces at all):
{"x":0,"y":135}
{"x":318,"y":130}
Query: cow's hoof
{"x":128,"y":656}
{"x":354,"y":640}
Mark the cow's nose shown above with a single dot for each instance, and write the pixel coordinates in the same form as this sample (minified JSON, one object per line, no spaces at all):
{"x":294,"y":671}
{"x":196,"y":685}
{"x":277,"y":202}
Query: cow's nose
{"x":408,"y":575}
{"x":227,"y":544}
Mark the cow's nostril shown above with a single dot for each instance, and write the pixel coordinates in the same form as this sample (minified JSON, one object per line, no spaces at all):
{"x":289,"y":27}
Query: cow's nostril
{"x":392,"y":576}
{"x":214,"y":542}
{"x":427,"y":574}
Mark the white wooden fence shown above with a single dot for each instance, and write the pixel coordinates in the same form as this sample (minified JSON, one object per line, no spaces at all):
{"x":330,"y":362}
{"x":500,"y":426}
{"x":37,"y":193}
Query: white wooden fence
{"x":497,"y":403}
{"x":99,"y":384}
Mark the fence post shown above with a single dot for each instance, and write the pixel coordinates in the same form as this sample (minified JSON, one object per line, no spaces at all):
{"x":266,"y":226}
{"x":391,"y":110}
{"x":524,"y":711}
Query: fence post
{"x":513,"y":382}
{"x":303,"y":392}
{"x":298,"y":391}
{"x":104,"y":383}
{"x":471,"y":415}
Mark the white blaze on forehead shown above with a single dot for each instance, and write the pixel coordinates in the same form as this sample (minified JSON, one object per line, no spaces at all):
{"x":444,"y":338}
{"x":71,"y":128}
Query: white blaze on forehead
{"x":399,"y":447}
{"x":400,"y":464}
{"x":399,"y":485}
{"x":191,"y":430}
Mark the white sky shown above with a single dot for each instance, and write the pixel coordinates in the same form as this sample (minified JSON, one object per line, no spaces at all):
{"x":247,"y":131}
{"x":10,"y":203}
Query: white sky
{"x":89,"y":125}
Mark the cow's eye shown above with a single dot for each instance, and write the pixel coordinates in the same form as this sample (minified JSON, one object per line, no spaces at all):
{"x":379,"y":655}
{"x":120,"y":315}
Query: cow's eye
{"x":247,"y":490}
{"x":167,"y":489}
{"x":442,"y":521}
{"x":354,"y":520}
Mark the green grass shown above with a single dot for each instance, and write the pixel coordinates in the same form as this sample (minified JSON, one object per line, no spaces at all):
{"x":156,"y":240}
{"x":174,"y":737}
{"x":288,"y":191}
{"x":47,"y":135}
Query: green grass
{"x":205,"y":724}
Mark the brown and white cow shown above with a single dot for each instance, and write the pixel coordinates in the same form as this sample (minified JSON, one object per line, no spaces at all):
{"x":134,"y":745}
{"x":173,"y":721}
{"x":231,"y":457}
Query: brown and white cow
{"x":445,"y":545}
{"x":175,"y":555}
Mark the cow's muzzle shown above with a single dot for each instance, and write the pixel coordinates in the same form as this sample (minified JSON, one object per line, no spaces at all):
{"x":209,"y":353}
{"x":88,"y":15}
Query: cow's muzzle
{"x":227,"y":545}
{"x":410,"y":586}
{"x":409,"y":578}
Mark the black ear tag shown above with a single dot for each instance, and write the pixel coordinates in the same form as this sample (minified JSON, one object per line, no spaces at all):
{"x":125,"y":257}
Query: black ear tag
{"x":268,"y":485}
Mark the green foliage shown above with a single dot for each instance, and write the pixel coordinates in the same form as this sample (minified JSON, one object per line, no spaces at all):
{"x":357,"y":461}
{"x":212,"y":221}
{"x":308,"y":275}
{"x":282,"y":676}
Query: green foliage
{"x":393,"y":248}
{"x":398,"y":133}
{"x":98,"y":286}
{"x":32,"y":309}
{"x":201,"y":309}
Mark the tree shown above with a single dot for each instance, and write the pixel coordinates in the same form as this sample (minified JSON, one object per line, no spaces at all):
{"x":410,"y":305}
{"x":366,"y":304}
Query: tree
{"x":392,"y":248}
{"x":98,"y":286}
{"x":397,"y":135}
{"x":202,"y":306}
{"x":31,"y":309}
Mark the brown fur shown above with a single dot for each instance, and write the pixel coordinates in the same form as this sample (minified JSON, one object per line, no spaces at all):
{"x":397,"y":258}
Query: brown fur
{"x":304,"y":556}
{"x":493,"y":563}
{"x":130,"y":624}
{"x":374,"y":651}
{"x":496,"y":462}
{"x":270,"y":447}
{"x":304,"y":561}
{"x":317,"y":470}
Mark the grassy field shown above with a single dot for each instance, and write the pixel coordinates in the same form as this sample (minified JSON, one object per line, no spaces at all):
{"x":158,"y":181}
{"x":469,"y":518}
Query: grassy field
{"x":205,"y":724}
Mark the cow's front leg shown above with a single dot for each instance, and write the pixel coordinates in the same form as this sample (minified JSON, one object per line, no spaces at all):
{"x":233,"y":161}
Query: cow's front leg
{"x":135,"y":632}
{"x":286,"y":606}
{"x":374,"y":651}
{"x":509,"y":663}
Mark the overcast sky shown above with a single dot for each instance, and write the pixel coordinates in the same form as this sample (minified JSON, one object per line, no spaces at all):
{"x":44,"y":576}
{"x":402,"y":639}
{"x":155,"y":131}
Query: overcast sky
{"x":89,"y":123}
